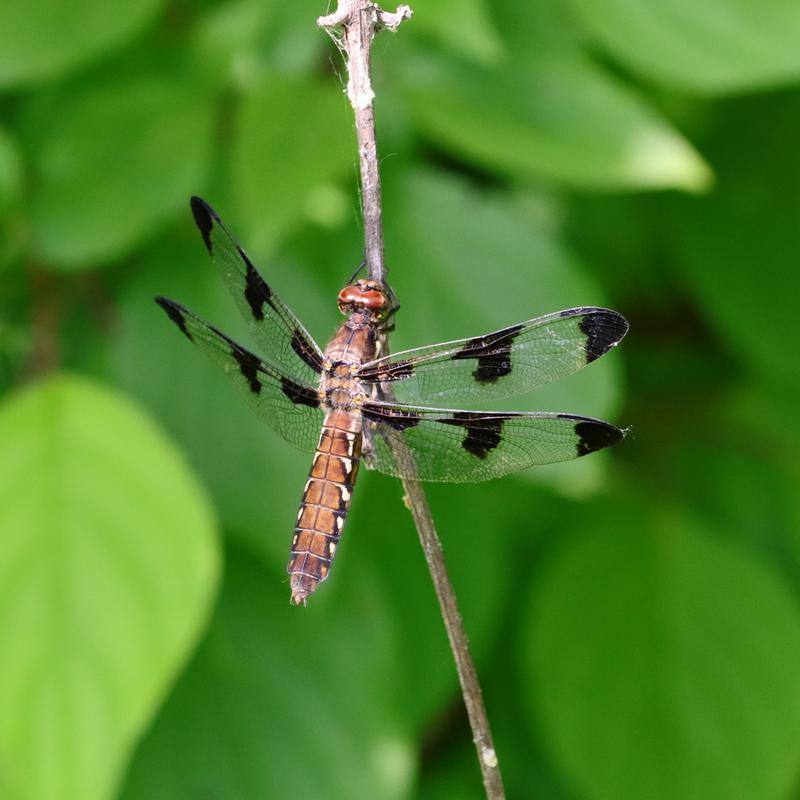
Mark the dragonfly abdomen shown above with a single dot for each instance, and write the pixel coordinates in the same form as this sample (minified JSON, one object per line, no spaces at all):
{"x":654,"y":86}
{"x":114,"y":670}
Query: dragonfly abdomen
{"x":326,"y":500}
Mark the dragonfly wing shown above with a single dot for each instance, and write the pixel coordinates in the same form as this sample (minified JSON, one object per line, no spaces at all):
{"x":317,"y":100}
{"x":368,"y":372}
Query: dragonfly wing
{"x":433,"y":444}
{"x":502,"y":363}
{"x":289,"y":407}
{"x":275,"y":327}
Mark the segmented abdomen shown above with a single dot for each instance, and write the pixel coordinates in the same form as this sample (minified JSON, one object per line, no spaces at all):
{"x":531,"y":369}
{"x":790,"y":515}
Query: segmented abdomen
{"x":326,"y":500}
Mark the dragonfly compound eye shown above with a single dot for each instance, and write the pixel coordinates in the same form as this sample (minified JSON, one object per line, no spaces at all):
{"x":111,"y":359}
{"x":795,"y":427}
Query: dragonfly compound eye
{"x":373,"y":299}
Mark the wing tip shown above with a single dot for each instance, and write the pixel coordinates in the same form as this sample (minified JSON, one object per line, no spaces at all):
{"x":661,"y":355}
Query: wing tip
{"x":595,"y":435}
{"x":604,"y":328}
{"x":176,"y":312}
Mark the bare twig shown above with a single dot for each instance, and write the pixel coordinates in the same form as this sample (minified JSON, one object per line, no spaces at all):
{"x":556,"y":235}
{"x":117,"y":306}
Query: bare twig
{"x":359,"y":20}
{"x":353,"y":26}
{"x":467,"y":676}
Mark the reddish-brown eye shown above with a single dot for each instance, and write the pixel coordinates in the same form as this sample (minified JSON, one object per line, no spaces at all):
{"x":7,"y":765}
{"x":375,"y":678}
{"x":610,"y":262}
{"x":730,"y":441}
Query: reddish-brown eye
{"x":374,"y":300}
{"x":350,"y":294}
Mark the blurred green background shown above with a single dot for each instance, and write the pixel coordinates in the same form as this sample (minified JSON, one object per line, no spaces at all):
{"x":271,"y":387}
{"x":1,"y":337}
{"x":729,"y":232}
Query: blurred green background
{"x":634,"y":615}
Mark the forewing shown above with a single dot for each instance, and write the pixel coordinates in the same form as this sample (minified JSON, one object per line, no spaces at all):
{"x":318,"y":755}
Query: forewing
{"x":289,"y":407}
{"x":499,"y":364}
{"x":285,"y":341}
{"x":433,"y":444}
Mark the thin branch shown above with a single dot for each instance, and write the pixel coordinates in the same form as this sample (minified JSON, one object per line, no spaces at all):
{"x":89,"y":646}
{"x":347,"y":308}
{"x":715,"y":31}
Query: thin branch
{"x":353,"y":27}
{"x":459,"y":644}
{"x":359,"y":20}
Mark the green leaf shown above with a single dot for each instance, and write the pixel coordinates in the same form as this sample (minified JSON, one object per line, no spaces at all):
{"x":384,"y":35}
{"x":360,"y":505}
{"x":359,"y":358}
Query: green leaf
{"x":663,"y":664}
{"x":294,"y":138}
{"x":242,"y":40}
{"x":529,"y":30}
{"x":555,"y":116}
{"x":713,"y":47}
{"x":45,"y":39}
{"x":463,"y":26}
{"x":737,"y":249}
{"x":114,"y":165}
{"x":107,"y":568}
{"x":280,"y":702}
{"x":10,"y":170}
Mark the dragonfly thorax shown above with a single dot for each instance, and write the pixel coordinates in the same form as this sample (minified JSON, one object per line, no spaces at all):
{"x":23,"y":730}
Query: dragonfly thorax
{"x":340,"y":389}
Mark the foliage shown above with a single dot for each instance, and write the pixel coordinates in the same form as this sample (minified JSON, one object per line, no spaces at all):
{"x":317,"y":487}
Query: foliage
{"x":634,"y":615}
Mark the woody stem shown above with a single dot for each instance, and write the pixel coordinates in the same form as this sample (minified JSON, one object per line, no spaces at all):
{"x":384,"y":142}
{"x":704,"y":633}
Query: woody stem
{"x":353,"y":27}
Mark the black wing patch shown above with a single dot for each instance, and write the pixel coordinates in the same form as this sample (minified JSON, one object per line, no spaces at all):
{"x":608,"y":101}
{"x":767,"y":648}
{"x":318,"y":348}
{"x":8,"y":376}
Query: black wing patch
{"x":433,"y":444}
{"x":603,"y":329}
{"x":300,"y":394}
{"x":289,"y":407}
{"x":284,"y":339}
{"x":493,"y":354}
{"x":484,"y":432}
{"x":499,"y":364}
{"x":256,"y":291}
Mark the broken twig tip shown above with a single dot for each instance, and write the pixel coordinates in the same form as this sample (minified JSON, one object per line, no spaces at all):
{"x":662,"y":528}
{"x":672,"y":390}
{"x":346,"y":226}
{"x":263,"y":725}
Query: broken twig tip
{"x":385,"y":19}
{"x":391,"y":21}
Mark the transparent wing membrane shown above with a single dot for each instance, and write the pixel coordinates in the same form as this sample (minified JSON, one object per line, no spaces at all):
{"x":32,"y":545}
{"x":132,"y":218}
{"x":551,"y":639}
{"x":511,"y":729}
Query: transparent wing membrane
{"x":470,"y":446}
{"x":284,"y":340}
{"x":502,"y":363}
{"x":289,"y":407}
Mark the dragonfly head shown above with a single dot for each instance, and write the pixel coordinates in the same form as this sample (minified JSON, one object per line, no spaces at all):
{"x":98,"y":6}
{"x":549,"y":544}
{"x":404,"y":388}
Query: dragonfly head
{"x":365,"y":295}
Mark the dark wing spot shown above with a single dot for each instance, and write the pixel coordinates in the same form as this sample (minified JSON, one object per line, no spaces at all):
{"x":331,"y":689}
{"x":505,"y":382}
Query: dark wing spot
{"x":248,"y":366}
{"x":397,"y":418}
{"x":306,"y":350}
{"x":300,"y":395}
{"x":484,"y":431}
{"x":493,"y":352}
{"x":204,"y":217}
{"x":175,"y":313}
{"x":256,"y":290}
{"x":601,"y":327}
{"x":594,"y":435}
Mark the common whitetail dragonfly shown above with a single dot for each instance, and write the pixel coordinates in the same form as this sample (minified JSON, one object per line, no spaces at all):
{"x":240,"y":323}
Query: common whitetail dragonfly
{"x":350,"y":402}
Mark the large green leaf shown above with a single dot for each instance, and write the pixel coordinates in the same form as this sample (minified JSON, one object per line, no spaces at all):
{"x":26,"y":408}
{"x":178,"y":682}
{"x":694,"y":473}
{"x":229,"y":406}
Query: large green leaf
{"x":107,"y":567}
{"x":41,"y":39}
{"x":240,"y":40}
{"x":463,"y":26}
{"x":712,"y":46}
{"x":115,"y":162}
{"x":555,"y":115}
{"x":738,"y":250}
{"x":663,"y":663}
{"x":281,"y":702}
{"x":293,"y":139}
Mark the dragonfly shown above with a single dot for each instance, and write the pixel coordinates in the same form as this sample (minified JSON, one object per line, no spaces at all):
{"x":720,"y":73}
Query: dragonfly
{"x":351,"y":402}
